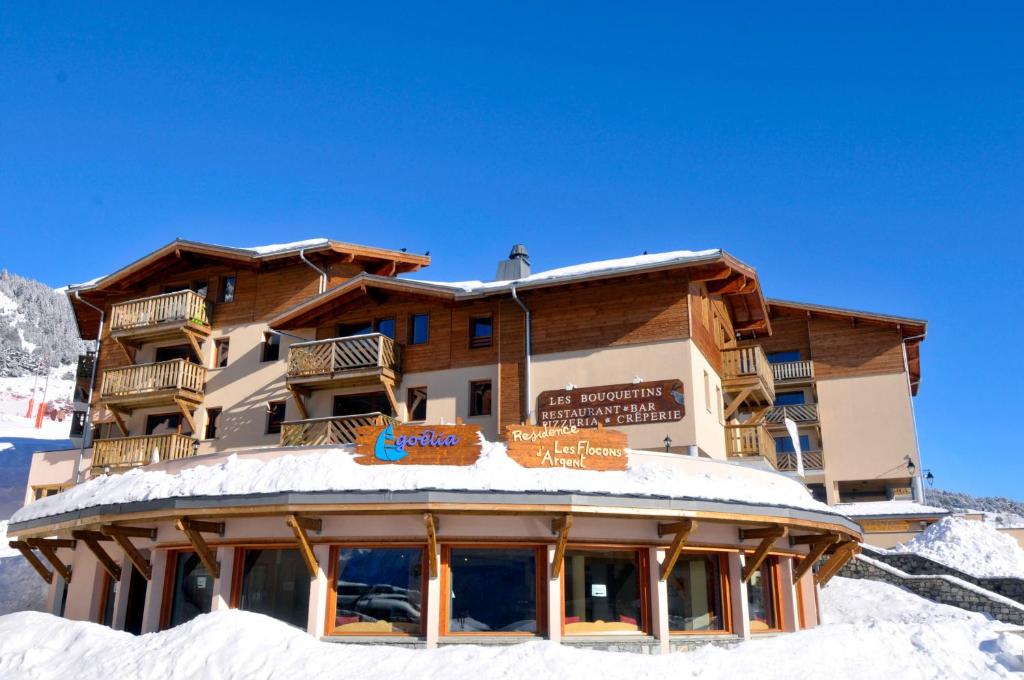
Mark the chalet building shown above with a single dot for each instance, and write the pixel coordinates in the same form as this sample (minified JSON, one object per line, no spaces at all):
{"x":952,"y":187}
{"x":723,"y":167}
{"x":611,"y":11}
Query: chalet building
{"x":280,"y":357}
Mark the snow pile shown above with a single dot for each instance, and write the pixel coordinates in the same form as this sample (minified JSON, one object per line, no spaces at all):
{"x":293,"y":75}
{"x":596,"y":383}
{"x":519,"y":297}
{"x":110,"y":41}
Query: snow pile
{"x":846,"y":600}
{"x":21,"y":589}
{"x":974,"y":547}
{"x":336,"y":469}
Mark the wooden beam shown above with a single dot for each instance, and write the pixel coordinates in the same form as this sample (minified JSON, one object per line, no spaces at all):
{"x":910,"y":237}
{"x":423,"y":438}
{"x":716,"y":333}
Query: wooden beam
{"x":560,"y":526}
{"x":431,"y":526}
{"x":686,"y":527}
{"x":299,"y":403}
{"x":134,"y":532}
{"x":50,"y":553}
{"x":121,"y":425}
{"x":26,"y":552}
{"x":192,"y":530}
{"x":735,"y":403}
{"x":390,"y":391}
{"x":127,"y":349}
{"x":299,"y":526}
{"x":844,"y":552}
{"x":187,"y":413}
{"x":811,"y":539}
{"x":763,"y":532}
{"x":53,"y":542}
{"x":666,"y":528}
{"x":818,"y":549}
{"x":137,"y":558}
{"x":754,"y":561}
{"x":196,"y":346}
{"x":92,"y":541}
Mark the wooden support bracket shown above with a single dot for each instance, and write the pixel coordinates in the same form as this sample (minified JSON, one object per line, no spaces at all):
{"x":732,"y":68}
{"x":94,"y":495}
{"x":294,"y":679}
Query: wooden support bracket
{"x":392,"y":399}
{"x":123,"y":536}
{"x":682,"y":532}
{"x":121,"y":425}
{"x":768,"y":535}
{"x":821,"y":543}
{"x":92,"y":541}
{"x":431,"y":525}
{"x":735,"y":403}
{"x":299,"y":527}
{"x":843,"y":554}
{"x":187,"y":413}
{"x":193,"y":530}
{"x":26,"y":551}
{"x":300,"y":405}
{"x":561,"y":527}
{"x":48,"y":547}
{"x":127,"y":349}
{"x":193,"y":340}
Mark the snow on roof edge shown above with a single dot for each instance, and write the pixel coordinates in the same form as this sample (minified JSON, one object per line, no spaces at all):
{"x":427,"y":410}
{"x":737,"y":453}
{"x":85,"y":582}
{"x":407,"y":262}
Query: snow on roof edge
{"x":888,"y":508}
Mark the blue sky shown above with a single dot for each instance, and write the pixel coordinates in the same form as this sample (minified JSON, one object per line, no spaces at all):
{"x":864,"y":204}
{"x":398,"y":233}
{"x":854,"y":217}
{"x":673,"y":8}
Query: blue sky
{"x":863,"y":156}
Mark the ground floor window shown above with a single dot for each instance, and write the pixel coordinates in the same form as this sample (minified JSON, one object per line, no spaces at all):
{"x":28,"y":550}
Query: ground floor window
{"x":378,"y":591}
{"x":763,"y":598}
{"x":275,"y":582}
{"x":603,"y":591}
{"x":492,"y":590}
{"x":107,"y":598}
{"x":695,"y":600}
{"x":191,"y":589}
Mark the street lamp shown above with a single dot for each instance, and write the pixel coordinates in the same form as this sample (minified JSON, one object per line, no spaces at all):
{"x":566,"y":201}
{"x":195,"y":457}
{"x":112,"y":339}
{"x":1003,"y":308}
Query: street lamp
{"x":668,"y":443}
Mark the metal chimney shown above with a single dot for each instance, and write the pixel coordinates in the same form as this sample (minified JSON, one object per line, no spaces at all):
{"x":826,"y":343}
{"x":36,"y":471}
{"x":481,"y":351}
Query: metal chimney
{"x":517,"y":266}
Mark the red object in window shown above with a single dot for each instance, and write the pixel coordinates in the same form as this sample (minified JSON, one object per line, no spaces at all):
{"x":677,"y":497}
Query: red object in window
{"x":572,"y":619}
{"x":342,"y":620}
{"x":627,"y":619}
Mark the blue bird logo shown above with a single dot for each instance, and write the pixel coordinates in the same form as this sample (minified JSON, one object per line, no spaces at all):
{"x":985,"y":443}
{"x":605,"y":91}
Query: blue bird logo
{"x":384,"y":448}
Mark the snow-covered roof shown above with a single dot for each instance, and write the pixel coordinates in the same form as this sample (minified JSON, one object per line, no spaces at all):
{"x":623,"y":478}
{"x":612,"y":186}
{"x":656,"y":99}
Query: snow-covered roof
{"x":889,"y":509}
{"x":334,"y":469}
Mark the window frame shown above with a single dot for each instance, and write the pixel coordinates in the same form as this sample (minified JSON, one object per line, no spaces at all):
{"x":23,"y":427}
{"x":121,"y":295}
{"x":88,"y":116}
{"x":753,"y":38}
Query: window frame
{"x":170,"y":573}
{"x":412,"y":329}
{"x":771,"y":563}
{"x":726,"y":591}
{"x":266,"y":344}
{"x":642,"y":563}
{"x":394,"y":326}
{"x":206,"y":426}
{"x":177,"y":414}
{"x":332,"y":590}
{"x":490,"y":409}
{"x":105,"y":588}
{"x":270,"y":413}
{"x":540,"y":578}
{"x":217,"y":352}
{"x":408,"y":403}
{"x":222,"y":286}
{"x":238,"y":572}
{"x":481,"y":341}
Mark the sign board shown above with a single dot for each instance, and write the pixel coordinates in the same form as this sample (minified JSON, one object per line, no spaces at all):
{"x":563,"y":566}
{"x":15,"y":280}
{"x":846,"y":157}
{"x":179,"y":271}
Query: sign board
{"x":659,"y":401}
{"x":567,"y":446}
{"x":417,"y":444}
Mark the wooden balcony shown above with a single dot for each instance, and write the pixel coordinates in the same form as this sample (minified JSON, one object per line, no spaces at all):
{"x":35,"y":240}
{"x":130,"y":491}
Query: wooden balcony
{"x":164,"y":383}
{"x":747,"y":377}
{"x":750,"y":441}
{"x":798,"y":413}
{"x":180,"y":314}
{"x":793,"y":371}
{"x":813,"y":461}
{"x":128,"y":452}
{"x":357,"y":360}
{"x":328,"y":431}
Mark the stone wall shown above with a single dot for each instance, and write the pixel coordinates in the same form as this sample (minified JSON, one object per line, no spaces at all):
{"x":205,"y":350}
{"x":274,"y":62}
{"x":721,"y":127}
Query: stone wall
{"x":910,"y":563}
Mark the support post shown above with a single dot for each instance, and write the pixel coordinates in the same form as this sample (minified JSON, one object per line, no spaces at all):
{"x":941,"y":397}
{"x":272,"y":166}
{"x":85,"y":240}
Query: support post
{"x":682,"y":531}
{"x":431,"y":526}
{"x":299,"y":527}
{"x":561,"y":527}
{"x":300,"y":405}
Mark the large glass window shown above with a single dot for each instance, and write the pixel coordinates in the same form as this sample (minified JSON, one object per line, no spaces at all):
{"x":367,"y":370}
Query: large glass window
{"x":276,"y":583}
{"x":783,"y":356}
{"x":378,"y":590}
{"x":191,"y":589}
{"x":762,"y":599}
{"x":602,"y":592}
{"x":492,"y":590}
{"x":789,"y":398}
{"x":695,"y":594}
{"x":385,"y":327}
{"x":419,"y":329}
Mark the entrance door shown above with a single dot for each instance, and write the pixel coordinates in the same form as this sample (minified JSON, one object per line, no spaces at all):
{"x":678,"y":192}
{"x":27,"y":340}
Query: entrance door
{"x":136,"y":603}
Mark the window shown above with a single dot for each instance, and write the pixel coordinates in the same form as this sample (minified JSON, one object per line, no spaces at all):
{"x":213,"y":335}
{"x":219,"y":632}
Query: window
{"x":378,"y":590}
{"x":220,"y":353}
{"x":166,"y":423}
{"x":707,"y":391}
{"x":695,"y":594}
{"x":358,"y":404}
{"x":275,"y":582}
{"x":762,"y":598}
{"x":416,"y":403}
{"x":602,"y":592}
{"x":78,"y":421}
{"x":271,"y":347}
{"x":720,"y":403}
{"x":782,"y":357}
{"x":46,"y":491}
{"x":784,"y":444}
{"x":200,"y":288}
{"x":789,"y":398}
{"x":344,"y":330}
{"x":275,"y":416}
{"x":385,"y":327}
{"x":227,"y":289}
{"x":212,"y":418}
{"x":419,"y":329}
{"x":172,"y":352}
{"x":818,"y":492}
{"x":492,"y":590}
{"x":481,"y":331}
{"x":106,"y":612}
{"x":480,"y":398}
{"x":191,"y":589}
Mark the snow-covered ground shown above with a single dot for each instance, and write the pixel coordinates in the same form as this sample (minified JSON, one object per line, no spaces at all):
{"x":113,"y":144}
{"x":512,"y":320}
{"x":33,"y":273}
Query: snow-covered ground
{"x":21,"y":589}
{"x":908,"y":638}
{"x":972,"y":546}
{"x":18,"y":441}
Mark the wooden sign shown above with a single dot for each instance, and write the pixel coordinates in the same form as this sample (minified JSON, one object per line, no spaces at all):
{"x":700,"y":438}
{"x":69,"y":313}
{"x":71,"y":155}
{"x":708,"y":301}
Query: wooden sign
{"x":398,"y":444}
{"x":660,"y":401}
{"x":566,"y":446}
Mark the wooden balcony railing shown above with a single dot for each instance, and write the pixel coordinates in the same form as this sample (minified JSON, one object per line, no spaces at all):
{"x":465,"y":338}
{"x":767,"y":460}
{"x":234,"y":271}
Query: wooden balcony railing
{"x":337,"y":356}
{"x":174,"y":376}
{"x":748,"y":366}
{"x":328,"y":431}
{"x":749,"y":441}
{"x":126,"y":452}
{"x":800,"y":413}
{"x":181,"y":307}
{"x":793,"y":370}
{"x":813,"y":460}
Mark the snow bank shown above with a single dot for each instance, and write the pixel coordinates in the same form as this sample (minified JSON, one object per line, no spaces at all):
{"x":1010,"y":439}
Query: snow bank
{"x":21,"y":589}
{"x":846,"y":600}
{"x":887,"y":508}
{"x":336,"y":470}
{"x":972,"y":546}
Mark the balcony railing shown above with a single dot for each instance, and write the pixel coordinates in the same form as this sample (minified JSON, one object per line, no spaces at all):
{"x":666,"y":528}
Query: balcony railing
{"x":336,"y":357}
{"x":813,"y":460}
{"x":793,"y":370}
{"x":748,"y":367}
{"x":183,"y":307}
{"x":128,"y":452}
{"x":800,"y":413}
{"x":328,"y":431}
{"x":749,"y":441}
{"x":178,"y":377}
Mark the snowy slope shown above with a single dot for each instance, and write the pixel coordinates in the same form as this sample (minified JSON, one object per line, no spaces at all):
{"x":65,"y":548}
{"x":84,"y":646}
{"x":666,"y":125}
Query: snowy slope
{"x":969,"y":545}
{"x":18,"y":441}
{"x":21,"y":589}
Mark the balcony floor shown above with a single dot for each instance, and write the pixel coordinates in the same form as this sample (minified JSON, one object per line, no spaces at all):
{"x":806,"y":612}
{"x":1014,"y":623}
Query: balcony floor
{"x":161,"y":331}
{"x":372,"y":376}
{"x":130,"y":402}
